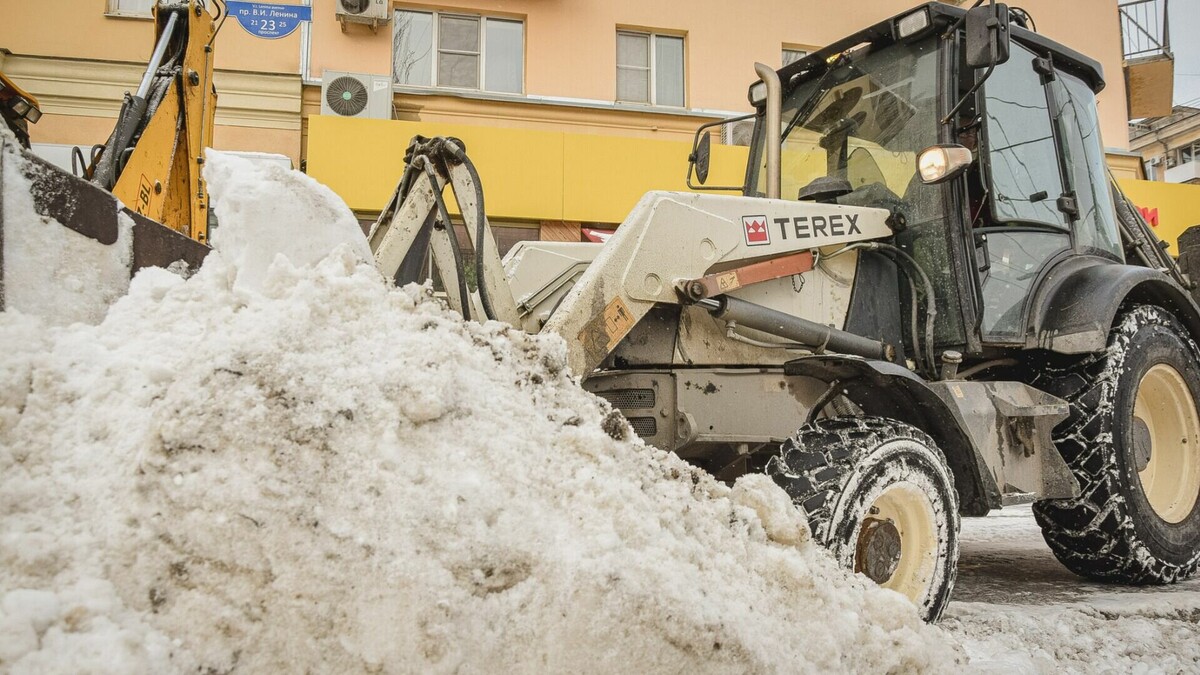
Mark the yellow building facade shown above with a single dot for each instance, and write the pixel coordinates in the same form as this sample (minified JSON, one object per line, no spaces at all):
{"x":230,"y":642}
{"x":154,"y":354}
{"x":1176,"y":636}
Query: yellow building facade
{"x":571,"y":108}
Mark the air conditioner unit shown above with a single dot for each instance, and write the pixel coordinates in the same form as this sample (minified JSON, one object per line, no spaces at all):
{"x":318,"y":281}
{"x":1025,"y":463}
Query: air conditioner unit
{"x":738,"y":133}
{"x":371,"y":12}
{"x":356,"y":95}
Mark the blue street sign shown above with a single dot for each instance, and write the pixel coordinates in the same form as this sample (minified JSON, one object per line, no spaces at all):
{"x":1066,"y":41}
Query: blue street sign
{"x":267,"y":20}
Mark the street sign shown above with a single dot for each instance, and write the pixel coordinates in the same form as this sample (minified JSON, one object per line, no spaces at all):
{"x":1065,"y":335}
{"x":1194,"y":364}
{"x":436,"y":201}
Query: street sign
{"x":268,"y":20}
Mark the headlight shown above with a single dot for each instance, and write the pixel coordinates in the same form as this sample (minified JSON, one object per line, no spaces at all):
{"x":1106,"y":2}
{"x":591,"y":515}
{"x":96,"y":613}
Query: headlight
{"x":912,"y":24}
{"x":942,"y":162}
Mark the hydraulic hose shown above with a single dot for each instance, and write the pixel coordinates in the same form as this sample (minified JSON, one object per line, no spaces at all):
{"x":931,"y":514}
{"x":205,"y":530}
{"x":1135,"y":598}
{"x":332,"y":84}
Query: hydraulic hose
{"x":485,"y":297}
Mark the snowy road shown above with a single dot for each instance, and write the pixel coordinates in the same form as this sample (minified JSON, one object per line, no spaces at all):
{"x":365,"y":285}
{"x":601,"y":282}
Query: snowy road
{"x":1018,"y":610}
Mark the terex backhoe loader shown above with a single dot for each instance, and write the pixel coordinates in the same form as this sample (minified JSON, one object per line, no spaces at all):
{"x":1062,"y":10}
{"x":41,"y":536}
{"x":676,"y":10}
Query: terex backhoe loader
{"x":140,"y":200}
{"x":930,"y":300}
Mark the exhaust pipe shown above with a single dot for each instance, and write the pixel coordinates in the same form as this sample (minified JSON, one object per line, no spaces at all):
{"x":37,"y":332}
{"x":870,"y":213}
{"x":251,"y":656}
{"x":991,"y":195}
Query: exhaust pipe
{"x":773,"y":121}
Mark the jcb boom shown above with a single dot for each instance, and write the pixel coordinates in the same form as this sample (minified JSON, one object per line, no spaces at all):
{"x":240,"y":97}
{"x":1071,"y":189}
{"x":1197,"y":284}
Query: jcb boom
{"x":929,"y":300}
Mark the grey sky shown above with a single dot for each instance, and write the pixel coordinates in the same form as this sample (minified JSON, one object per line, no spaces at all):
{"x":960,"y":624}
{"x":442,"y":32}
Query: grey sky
{"x":1185,"y":27}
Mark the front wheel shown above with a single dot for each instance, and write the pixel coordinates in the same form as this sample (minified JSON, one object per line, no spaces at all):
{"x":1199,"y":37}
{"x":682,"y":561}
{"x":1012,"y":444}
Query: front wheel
{"x":1133,"y":441}
{"x":878,"y":495}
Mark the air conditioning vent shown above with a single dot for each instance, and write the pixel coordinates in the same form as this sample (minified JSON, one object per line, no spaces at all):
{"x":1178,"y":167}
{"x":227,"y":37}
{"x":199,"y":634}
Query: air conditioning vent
{"x":346,"y":96}
{"x":738,"y":133}
{"x":372,"y":12}
{"x":356,"y":95}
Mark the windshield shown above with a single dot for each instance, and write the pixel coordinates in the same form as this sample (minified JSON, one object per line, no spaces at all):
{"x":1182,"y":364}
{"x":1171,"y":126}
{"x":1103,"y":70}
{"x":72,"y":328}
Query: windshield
{"x":863,"y":120}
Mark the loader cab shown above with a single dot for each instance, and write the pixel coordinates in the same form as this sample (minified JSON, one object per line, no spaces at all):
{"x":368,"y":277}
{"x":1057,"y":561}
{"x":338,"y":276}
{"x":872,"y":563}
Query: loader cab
{"x":857,"y":115}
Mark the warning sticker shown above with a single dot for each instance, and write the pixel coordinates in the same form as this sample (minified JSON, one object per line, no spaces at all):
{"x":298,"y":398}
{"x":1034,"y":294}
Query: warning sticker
{"x":728,"y":282}
{"x":604,"y":331}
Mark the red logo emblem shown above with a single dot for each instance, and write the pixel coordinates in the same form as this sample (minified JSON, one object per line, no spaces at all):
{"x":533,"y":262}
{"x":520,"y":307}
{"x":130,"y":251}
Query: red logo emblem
{"x":756,"y":230}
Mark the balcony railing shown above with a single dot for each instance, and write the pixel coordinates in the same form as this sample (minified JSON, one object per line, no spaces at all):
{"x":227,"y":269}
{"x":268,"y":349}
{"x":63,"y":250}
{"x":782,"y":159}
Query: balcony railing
{"x":1145,"y":29}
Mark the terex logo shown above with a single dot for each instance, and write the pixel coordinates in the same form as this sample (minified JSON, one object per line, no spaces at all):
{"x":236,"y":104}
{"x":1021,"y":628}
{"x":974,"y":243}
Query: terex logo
{"x":756,"y":230}
{"x":807,"y":227}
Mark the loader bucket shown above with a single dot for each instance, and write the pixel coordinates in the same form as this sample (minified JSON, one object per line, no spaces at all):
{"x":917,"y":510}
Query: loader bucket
{"x":69,"y":248}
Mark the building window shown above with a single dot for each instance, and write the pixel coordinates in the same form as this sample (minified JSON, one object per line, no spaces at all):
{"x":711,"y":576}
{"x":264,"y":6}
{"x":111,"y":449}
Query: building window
{"x":649,"y":68}
{"x":1189,"y":153}
{"x":130,"y":7}
{"x":791,"y":56}
{"x":435,"y":49}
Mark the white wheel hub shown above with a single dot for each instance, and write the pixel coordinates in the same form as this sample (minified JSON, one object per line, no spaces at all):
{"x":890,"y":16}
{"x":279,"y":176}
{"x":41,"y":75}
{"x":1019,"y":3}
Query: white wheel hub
{"x":897,"y":541}
{"x":1166,"y":421}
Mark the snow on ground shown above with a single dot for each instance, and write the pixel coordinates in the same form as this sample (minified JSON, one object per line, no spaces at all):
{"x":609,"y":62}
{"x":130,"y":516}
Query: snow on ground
{"x":1017,"y":610}
{"x":316,"y":472}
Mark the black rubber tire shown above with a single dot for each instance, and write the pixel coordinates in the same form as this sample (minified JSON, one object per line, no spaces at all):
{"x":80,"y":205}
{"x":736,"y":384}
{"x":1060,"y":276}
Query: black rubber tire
{"x":1110,"y":532}
{"x":834,"y":469}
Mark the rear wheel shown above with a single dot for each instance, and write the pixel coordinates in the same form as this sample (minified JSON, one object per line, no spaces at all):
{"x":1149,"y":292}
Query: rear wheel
{"x":1133,"y":442}
{"x":878,"y":495}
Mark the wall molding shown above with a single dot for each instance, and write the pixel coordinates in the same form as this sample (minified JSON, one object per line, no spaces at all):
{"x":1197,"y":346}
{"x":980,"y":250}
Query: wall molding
{"x":93,"y":88}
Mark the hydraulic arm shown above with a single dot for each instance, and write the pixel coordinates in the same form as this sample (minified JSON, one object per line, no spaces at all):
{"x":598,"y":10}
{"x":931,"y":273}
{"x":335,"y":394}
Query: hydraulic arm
{"x":152,"y":160}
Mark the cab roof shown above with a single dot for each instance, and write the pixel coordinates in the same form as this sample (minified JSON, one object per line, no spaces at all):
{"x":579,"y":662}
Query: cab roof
{"x":942,"y":17}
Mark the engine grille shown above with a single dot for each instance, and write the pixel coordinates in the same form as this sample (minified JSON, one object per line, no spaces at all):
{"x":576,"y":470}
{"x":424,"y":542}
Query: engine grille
{"x":644,"y":426}
{"x":630,"y":399}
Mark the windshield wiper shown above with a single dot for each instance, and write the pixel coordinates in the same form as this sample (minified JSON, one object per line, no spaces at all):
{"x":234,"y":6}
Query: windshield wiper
{"x":806,"y":108}
{"x":1025,"y":226}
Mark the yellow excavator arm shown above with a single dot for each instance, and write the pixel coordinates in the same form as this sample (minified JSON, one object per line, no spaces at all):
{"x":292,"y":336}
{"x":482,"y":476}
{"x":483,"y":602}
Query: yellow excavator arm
{"x":153,"y":159}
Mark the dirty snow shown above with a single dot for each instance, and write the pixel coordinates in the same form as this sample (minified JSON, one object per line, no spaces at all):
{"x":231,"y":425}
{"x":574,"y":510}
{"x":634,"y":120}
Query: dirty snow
{"x":1017,"y":610}
{"x":282,"y":464}
{"x":46,"y":265}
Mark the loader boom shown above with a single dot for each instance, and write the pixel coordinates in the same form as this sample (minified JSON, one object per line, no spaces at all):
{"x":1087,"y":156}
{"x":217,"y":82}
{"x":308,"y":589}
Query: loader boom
{"x":669,"y":242}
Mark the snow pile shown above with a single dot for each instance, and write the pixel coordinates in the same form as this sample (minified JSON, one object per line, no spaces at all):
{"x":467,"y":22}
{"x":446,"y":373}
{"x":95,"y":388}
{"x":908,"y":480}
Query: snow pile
{"x":277,"y":201}
{"x":321,"y":473}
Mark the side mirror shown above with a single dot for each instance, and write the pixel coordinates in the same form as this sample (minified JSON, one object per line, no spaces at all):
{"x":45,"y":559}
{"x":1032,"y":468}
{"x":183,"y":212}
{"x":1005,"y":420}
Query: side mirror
{"x":940,"y":163}
{"x":701,"y":155}
{"x":987,"y":40}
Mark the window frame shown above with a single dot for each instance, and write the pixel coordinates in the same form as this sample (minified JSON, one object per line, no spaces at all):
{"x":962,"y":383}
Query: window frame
{"x":783,"y":52}
{"x":113,"y":8}
{"x":651,"y":69}
{"x":436,"y":50}
{"x":1191,"y":148}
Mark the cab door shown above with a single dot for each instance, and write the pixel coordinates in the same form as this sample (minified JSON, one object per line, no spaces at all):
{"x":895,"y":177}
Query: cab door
{"x":1026,"y":229}
{"x":1046,"y":190}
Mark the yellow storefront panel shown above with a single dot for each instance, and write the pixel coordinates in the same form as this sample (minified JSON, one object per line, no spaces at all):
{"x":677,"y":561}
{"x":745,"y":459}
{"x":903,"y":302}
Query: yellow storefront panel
{"x":362,"y":160}
{"x":1170,"y":208}
{"x":527,"y":174}
{"x":603,"y":176}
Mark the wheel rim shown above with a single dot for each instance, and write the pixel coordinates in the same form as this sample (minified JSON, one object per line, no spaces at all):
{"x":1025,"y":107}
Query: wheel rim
{"x":1171,"y":477}
{"x":897,"y":542}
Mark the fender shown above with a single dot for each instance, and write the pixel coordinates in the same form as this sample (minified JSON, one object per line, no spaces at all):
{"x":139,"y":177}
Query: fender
{"x":1078,"y":300}
{"x":892,"y":391}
